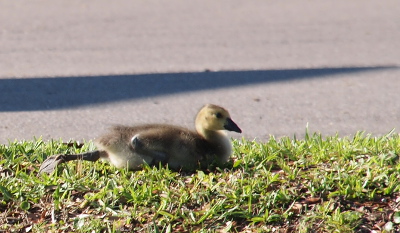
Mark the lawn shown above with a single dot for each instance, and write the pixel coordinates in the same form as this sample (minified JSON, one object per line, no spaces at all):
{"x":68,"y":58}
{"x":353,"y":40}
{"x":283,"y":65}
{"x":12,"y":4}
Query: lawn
{"x":316,"y":184}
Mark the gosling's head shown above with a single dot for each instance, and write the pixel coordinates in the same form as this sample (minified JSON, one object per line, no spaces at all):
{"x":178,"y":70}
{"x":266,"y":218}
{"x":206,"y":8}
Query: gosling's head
{"x":212,"y":117}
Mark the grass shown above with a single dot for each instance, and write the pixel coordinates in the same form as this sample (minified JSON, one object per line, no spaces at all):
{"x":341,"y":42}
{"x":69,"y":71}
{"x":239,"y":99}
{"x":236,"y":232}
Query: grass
{"x":316,"y":184}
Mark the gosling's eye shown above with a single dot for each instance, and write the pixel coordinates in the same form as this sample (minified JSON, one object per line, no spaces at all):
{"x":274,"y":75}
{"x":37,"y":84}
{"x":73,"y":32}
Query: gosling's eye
{"x":218,"y":115}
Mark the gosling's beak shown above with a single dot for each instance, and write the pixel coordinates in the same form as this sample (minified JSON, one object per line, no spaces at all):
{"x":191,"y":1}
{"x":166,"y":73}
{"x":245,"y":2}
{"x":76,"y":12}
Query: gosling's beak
{"x":232,"y":126}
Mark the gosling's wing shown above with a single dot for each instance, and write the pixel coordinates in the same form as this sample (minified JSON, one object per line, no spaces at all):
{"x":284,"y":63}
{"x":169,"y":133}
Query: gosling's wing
{"x":149,"y":143}
{"x":164,"y":143}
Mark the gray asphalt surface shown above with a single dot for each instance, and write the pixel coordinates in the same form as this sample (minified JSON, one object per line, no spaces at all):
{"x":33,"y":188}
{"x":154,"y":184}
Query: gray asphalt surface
{"x":69,"y":69}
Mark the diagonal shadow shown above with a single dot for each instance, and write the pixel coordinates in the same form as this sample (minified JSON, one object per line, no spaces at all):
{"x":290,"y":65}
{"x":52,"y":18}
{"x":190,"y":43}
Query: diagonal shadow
{"x":32,"y":94}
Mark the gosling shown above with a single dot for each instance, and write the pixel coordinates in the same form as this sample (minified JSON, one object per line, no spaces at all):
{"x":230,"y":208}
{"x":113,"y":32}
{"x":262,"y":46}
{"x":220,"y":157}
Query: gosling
{"x":179,"y":148}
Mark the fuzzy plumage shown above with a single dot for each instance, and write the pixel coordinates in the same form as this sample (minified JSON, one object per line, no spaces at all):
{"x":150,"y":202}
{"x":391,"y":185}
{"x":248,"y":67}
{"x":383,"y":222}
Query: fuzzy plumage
{"x":180,"y":148}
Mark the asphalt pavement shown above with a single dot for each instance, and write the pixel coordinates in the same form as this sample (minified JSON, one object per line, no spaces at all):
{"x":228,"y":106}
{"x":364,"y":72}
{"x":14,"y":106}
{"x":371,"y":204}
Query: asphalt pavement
{"x":70,"y":69}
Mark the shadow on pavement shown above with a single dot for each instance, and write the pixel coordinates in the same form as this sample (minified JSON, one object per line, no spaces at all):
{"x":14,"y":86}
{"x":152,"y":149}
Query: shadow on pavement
{"x":38,"y":94}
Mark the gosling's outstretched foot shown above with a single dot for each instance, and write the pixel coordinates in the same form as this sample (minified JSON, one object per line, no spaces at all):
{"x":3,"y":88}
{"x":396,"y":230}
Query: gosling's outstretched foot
{"x":50,"y":164}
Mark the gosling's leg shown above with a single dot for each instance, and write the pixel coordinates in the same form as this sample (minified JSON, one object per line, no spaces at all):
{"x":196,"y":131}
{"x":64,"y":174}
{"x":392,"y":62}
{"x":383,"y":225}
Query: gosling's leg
{"x":50,"y":164}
